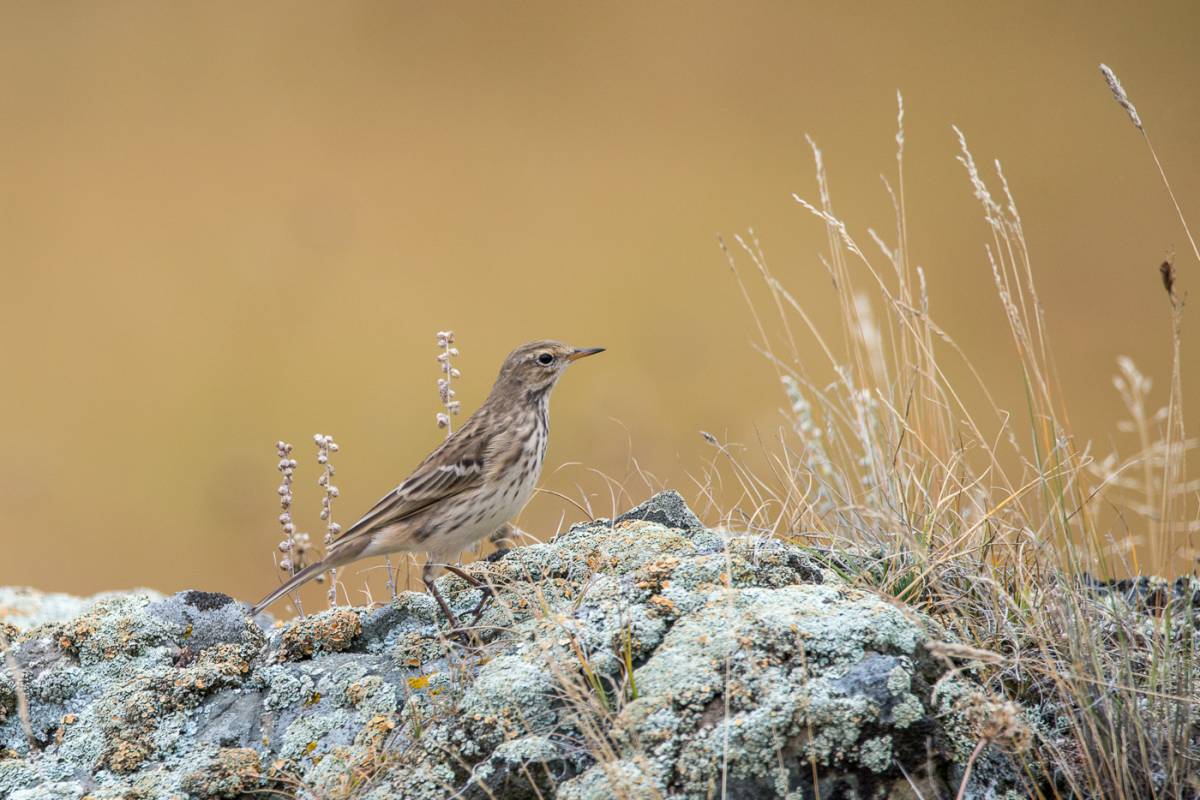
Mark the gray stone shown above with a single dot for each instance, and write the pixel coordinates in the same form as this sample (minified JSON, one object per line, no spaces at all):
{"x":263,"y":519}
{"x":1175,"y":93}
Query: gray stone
{"x":628,"y":659}
{"x":665,"y":508}
{"x":231,"y":718}
{"x":205,"y":619}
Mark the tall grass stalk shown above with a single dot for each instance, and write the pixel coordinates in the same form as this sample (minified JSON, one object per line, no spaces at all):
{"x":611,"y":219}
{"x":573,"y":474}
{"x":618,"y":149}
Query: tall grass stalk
{"x":992,"y":523}
{"x":18,"y":679}
{"x":1175,"y":437}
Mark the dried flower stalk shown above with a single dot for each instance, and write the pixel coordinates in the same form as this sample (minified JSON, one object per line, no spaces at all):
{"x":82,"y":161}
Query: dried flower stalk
{"x":451,"y":406}
{"x":288,"y":545}
{"x":325,"y":447}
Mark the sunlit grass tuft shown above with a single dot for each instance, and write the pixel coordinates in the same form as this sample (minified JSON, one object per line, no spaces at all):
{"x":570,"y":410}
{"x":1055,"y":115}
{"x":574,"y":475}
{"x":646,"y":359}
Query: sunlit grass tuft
{"x":992,"y":523}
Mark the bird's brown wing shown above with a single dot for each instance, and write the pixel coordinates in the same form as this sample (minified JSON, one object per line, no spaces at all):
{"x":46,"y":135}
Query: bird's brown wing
{"x":458,"y":465}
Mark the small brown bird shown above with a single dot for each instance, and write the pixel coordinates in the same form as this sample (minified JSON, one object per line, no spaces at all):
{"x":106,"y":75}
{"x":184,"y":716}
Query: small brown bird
{"x":471,"y":485}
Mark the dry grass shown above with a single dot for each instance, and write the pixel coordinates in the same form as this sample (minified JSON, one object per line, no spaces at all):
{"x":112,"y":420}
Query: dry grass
{"x":990,"y":523}
{"x":18,"y":678}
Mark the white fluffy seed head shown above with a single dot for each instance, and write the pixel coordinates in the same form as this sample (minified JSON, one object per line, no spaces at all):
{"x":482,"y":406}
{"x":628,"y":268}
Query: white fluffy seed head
{"x":1119,"y":94}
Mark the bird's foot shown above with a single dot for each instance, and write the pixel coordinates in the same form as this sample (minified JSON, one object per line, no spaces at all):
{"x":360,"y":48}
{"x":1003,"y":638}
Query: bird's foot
{"x":442,"y":604}
{"x":486,"y":588}
{"x":488,"y":594}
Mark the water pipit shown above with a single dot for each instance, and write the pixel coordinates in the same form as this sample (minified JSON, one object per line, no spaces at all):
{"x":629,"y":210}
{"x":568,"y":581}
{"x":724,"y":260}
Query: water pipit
{"x":471,"y":485}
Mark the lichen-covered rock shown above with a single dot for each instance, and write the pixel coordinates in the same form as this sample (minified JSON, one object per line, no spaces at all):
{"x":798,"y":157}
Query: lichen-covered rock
{"x":665,"y":508}
{"x":233,"y":771}
{"x":27,"y":608}
{"x":330,"y":633}
{"x":813,"y":675}
{"x":646,"y":657}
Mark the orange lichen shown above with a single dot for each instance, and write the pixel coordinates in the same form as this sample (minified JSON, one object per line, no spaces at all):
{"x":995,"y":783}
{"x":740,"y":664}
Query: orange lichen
{"x":331,"y":632}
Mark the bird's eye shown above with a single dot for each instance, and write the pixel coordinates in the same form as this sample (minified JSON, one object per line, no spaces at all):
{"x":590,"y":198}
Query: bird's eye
{"x":545,"y":359}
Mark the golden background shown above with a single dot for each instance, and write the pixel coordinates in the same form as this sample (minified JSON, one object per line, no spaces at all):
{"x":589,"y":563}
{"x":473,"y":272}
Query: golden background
{"x":224,"y":224}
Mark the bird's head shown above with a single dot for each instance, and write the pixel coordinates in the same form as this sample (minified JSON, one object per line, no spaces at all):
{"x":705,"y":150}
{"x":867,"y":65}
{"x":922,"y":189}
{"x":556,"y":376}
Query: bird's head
{"x":534,"y":368}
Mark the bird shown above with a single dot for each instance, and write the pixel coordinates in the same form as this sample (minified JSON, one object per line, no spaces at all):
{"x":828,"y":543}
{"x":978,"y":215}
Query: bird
{"x":470,"y":486}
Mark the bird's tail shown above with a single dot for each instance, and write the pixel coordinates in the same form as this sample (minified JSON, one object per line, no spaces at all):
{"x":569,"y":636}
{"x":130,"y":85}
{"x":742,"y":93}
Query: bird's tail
{"x":295,"y":582}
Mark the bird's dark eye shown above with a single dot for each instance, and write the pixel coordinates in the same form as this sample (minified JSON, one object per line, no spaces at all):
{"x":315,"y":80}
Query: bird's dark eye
{"x":545,"y":359}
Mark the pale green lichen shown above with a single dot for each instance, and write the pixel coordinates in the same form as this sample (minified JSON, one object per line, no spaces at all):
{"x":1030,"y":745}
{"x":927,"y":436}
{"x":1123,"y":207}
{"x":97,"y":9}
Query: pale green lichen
{"x":908,"y":711}
{"x":624,"y":778}
{"x":899,"y":681}
{"x":53,"y":790}
{"x":876,"y":754}
{"x":16,"y":775}
{"x":27,"y":608}
{"x":303,"y":738}
{"x":232,"y":771}
{"x":286,"y":688}
{"x":526,"y":749}
{"x":372,"y":696}
{"x":745,"y":651}
{"x":113,"y":627}
{"x":781,"y":652}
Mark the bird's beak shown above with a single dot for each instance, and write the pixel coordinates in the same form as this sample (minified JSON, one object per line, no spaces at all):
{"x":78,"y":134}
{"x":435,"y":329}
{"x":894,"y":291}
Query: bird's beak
{"x":584,"y":352}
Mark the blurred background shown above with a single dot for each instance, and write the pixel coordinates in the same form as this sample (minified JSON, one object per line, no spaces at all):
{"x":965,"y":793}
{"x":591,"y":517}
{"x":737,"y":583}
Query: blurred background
{"x":224,"y":224}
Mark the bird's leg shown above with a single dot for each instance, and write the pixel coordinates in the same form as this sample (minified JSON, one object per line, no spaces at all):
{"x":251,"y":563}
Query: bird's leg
{"x":482,"y":604}
{"x":462,"y":573}
{"x":427,"y":578}
{"x":482,"y":586}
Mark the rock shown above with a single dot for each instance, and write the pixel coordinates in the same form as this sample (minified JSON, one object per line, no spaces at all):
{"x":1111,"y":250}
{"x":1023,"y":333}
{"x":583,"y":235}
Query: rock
{"x":667,"y":509}
{"x":330,"y":632}
{"x":204,"y":619}
{"x":647,"y":657}
{"x":782,"y":677}
{"x":230,"y":773}
{"x":1152,"y":596}
{"x":25,"y":608}
{"x":232,"y":718}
